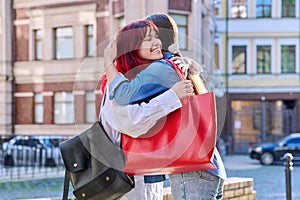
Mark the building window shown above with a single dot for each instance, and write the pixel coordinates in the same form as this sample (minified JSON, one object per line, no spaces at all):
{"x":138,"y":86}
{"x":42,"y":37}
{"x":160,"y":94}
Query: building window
{"x":121,"y":22}
{"x":257,"y":119}
{"x":288,"y":58}
{"x":263,"y":8}
{"x":181,"y":21}
{"x":263,"y":59}
{"x":64,"y":43}
{"x":239,"y":59}
{"x":37,"y":44}
{"x":216,"y":9}
{"x":90,"y":41}
{"x":217,"y":56}
{"x":63,"y":108}
{"x":239,"y":8}
{"x":90,"y":114}
{"x":38,"y":108}
{"x":288,"y":8}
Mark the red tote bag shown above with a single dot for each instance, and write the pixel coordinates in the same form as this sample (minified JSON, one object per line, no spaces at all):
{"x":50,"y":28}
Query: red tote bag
{"x":182,"y":141}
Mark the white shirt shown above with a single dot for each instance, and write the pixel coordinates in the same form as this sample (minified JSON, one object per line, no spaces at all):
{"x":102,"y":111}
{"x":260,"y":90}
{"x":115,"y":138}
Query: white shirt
{"x":135,"y":120}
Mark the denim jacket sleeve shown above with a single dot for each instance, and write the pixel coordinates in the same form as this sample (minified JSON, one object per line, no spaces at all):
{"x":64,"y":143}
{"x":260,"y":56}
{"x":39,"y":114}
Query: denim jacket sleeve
{"x":155,"y":79}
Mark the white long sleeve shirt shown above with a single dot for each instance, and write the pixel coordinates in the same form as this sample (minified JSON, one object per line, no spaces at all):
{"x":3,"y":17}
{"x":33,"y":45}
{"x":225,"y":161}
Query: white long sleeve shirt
{"x":135,"y":120}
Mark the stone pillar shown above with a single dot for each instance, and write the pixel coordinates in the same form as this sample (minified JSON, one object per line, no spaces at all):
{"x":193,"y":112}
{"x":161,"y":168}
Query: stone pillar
{"x":142,"y":8}
{"x":48,"y":99}
{"x":160,"y":6}
{"x":195,"y":31}
{"x":6,"y":79}
{"x":139,"y":8}
{"x":80,"y":44}
{"x":79,"y":109}
{"x":208,"y":28}
{"x":48,"y":43}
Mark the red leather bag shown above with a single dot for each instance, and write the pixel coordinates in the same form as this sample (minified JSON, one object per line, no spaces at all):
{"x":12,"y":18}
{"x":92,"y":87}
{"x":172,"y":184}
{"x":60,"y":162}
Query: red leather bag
{"x":182,"y":141}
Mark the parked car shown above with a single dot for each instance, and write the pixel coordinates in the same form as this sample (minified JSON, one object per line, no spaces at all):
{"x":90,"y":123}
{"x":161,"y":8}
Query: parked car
{"x":25,"y":150}
{"x":268,"y":153}
{"x":51,"y":141}
{"x":23,"y":141}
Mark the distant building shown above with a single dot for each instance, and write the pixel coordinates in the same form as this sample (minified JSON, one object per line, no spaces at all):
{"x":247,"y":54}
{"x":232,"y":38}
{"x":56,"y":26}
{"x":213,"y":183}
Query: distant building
{"x":50,"y":69}
{"x":257,"y":48}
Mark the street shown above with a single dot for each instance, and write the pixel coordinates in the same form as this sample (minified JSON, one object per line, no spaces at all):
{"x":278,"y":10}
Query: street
{"x":269,"y":181}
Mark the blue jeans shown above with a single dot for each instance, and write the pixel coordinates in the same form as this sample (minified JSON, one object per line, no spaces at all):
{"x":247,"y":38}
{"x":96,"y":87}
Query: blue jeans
{"x":197,"y":185}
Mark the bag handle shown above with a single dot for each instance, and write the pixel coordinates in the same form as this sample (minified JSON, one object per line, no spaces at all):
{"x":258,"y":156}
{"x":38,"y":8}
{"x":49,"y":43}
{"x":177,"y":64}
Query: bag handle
{"x":66,"y":185}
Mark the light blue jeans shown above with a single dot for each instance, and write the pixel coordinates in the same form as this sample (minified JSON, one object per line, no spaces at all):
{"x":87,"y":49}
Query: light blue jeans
{"x":197,"y":185}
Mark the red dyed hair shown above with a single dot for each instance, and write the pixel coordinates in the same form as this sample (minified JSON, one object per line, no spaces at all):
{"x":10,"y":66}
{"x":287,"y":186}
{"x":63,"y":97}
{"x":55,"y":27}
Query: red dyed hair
{"x":129,"y":40}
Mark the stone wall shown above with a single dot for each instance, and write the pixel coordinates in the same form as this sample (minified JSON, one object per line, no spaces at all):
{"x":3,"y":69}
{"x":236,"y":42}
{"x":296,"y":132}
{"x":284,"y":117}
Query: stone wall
{"x":235,"y":188}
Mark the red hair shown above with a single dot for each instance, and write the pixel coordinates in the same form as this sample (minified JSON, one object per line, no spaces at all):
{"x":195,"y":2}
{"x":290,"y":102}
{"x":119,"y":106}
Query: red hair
{"x":129,"y":40}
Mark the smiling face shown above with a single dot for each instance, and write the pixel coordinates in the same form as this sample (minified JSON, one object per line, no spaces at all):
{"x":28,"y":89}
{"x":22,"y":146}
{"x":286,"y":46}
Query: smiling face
{"x":150,"y":48}
{"x":137,"y":46}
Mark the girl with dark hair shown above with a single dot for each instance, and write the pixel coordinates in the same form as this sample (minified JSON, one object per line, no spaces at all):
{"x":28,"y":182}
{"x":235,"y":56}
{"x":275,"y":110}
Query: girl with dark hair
{"x":208,"y":181}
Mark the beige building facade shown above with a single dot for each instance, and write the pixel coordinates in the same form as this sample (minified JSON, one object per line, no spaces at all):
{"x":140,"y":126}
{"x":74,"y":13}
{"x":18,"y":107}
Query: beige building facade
{"x":6,"y":74}
{"x":258,"y":46}
{"x":50,"y":75}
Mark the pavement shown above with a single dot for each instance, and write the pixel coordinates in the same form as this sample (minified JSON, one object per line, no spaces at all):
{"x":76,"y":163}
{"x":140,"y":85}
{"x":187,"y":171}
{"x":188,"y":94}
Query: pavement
{"x":269,"y":181}
{"x":240,"y":162}
{"x":17,"y":174}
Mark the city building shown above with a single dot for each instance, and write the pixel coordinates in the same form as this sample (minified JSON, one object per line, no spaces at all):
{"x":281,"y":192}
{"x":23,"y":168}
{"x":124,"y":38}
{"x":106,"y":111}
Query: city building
{"x":51,"y":56}
{"x":257,"y":49}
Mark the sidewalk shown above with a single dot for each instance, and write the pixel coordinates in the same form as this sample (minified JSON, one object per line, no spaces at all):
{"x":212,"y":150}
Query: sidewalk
{"x":236,"y":162}
{"x":267,"y":180}
{"x":18,"y":174}
{"x":231,"y":162}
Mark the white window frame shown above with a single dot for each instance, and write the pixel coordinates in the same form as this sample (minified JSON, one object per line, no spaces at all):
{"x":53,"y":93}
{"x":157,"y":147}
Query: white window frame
{"x":34,"y":49}
{"x":296,"y":8}
{"x":294,"y":42}
{"x":181,"y":35}
{"x":41,"y":102}
{"x":88,"y":102}
{"x":247,"y":10}
{"x":64,"y":116}
{"x":55,"y":43}
{"x":273,"y":9}
{"x":238,"y":42}
{"x":218,"y":41}
{"x":90,"y":52}
{"x":218,"y":5}
{"x":264,"y":42}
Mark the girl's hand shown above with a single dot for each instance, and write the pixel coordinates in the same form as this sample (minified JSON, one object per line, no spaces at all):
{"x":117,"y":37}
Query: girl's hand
{"x":182,"y":65}
{"x":187,"y":65}
{"x":110,"y":53}
{"x":195,"y":68}
{"x":183,"y":88}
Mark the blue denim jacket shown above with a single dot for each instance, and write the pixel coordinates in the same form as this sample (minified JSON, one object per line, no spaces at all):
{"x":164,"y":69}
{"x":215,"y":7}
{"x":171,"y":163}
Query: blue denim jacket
{"x":158,"y":77}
